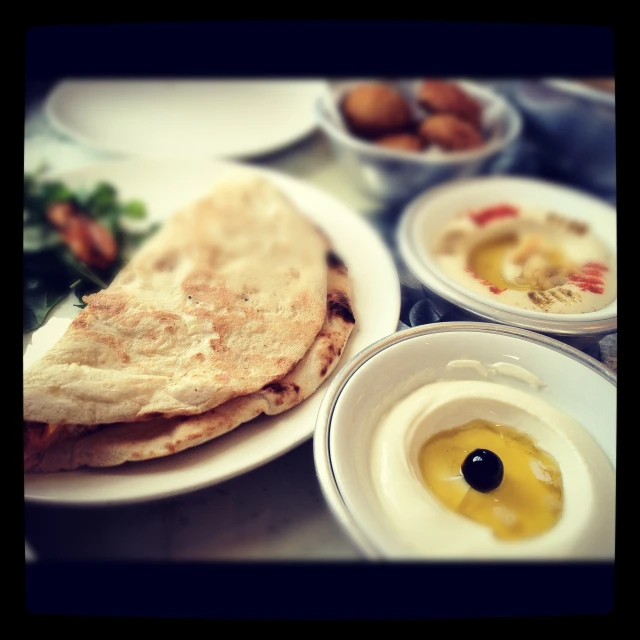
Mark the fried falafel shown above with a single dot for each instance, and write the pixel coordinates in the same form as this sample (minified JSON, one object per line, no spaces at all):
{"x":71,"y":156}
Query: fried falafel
{"x":450,"y":133}
{"x":376,"y":109}
{"x":438,"y":96}
{"x":402,"y":142}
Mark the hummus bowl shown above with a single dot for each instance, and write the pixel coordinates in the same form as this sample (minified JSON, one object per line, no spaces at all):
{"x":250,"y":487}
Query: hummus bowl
{"x":518,"y":251}
{"x":407,"y":429}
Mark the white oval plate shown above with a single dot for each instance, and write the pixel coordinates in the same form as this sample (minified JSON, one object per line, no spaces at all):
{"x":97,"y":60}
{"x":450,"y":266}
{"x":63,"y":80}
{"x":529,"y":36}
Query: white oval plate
{"x":184,"y":118}
{"x":166,"y":186}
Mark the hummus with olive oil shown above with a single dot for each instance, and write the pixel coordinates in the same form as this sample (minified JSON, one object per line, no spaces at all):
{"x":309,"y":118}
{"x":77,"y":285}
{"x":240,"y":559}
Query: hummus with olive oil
{"x":536,"y":260}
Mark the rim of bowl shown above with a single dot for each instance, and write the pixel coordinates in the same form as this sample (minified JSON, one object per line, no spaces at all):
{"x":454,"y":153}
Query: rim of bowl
{"x":321,"y":454}
{"x":452,"y":157}
{"x":441,"y":287}
{"x":580,"y":90}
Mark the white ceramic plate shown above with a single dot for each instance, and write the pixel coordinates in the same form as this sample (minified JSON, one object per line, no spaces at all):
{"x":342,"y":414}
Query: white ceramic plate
{"x":165,"y":186}
{"x":184,"y":118}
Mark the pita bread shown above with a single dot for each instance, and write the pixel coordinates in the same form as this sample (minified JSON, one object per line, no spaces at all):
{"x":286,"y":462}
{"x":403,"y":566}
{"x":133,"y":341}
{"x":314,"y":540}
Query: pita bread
{"x":225,"y":298}
{"x":114,"y":444}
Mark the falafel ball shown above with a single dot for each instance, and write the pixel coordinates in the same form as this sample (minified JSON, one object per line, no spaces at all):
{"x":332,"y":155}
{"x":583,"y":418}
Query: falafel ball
{"x":438,"y":96}
{"x":450,"y":133}
{"x":375,"y":109}
{"x":402,"y":142}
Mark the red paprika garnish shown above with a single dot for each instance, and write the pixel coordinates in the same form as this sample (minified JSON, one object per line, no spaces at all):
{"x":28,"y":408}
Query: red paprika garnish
{"x":484,"y":216}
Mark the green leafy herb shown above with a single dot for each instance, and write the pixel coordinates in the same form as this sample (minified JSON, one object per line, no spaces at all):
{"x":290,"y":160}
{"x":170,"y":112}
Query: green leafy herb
{"x":51,"y":271}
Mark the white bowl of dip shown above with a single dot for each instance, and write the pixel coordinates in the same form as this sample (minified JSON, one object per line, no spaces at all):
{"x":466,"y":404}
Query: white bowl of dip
{"x":442,"y":231}
{"x":396,"y":394}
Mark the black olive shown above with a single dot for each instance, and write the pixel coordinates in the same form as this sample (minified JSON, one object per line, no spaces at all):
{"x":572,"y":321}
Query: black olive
{"x":483,"y":470}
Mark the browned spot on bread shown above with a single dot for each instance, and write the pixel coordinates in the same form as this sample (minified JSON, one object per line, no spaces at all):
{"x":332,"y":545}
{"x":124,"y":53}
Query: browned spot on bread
{"x":276,"y":387}
{"x":133,"y":321}
{"x":80,"y":322}
{"x":198,"y":356}
{"x":339,"y":304}
{"x":328,"y":358}
{"x":281,"y":390}
{"x":112,"y":343}
{"x":154,"y":331}
{"x":108,"y":302}
{"x":209,"y":294}
{"x":333,"y":260}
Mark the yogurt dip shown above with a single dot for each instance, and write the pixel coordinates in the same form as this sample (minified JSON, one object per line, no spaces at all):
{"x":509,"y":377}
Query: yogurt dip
{"x":532,"y":259}
{"x":429,"y":529}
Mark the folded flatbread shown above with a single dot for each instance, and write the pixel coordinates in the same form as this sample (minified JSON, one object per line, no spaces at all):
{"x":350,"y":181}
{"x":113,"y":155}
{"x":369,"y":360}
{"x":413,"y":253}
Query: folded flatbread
{"x":227,"y":297}
{"x":49,"y":448}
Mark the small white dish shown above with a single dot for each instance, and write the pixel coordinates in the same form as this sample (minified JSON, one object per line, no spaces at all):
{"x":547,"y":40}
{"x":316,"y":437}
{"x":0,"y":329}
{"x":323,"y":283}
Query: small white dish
{"x":206,"y":118}
{"x":385,"y":373}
